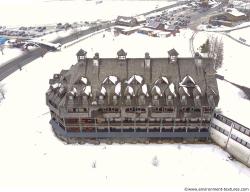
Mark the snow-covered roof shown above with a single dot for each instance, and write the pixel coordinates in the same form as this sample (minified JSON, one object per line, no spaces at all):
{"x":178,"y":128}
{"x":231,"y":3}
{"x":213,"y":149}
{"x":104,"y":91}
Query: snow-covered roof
{"x":118,"y":88}
{"x":138,"y":78}
{"x":103,"y":91}
{"x":145,"y":89}
{"x":157,"y":90}
{"x":130,"y":90}
{"x":87,"y":90}
{"x":198,"y":88}
{"x":186,"y":80}
{"x":172,"y":89}
{"x":162,"y":79}
{"x":112,"y":78}
{"x":235,"y":12}
{"x":186,"y":91}
{"x":73,"y":91}
{"x":61,"y":89}
{"x":84,"y":80}
{"x":56,"y":85}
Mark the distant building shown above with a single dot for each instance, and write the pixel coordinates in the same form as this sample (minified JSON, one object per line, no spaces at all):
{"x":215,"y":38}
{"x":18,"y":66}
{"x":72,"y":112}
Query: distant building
{"x":229,"y":16}
{"x":154,"y":24}
{"x":138,"y":99}
{"x":126,"y":21}
{"x":172,"y":29}
{"x":126,"y":30}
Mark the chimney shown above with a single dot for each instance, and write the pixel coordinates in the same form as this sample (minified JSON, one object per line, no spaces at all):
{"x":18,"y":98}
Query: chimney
{"x":147,"y":60}
{"x":96,"y":60}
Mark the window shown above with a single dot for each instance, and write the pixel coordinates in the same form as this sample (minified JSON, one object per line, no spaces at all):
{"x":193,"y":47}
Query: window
{"x":197,"y":110}
{"x":183,"y":97}
{"x":197,"y":97}
{"x":128,"y":97}
{"x":70,"y":97}
{"x":114,"y":97}
{"x":70,"y":110}
{"x":81,"y":57}
{"x":122,"y":57}
{"x":101,"y":97}
{"x":155,"y":97}
{"x":71,"y":121}
{"x":242,"y":129}
{"x":169,"y":97}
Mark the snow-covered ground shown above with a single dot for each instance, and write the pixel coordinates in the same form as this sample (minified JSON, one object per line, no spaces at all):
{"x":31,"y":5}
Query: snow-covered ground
{"x":32,"y":157}
{"x":8,"y":54}
{"x":222,"y":28}
{"x":235,"y":69}
{"x":48,"y":12}
{"x":52,"y":12}
{"x":242,"y":34}
{"x":235,"y":63}
{"x":156,"y":46}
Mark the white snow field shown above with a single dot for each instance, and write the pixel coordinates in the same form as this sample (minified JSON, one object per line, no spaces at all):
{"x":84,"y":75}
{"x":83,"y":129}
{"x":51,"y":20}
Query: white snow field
{"x":235,"y":69}
{"x":33,"y":159}
{"x":48,"y":12}
{"x":242,"y":34}
{"x":9,"y":54}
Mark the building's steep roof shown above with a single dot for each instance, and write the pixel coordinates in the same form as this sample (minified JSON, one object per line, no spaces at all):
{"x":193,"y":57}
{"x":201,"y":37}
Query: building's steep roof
{"x":173,"y":52}
{"x":81,"y":52}
{"x":133,"y":77}
{"x":121,"y":52}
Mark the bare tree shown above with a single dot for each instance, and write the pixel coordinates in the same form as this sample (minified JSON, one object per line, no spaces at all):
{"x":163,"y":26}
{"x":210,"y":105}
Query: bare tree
{"x":155,"y":161}
{"x":93,"y":164}
{"x":2,"y":92}
{"x":216,"y":51}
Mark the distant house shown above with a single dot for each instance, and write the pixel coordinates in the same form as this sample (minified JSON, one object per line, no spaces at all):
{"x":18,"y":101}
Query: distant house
{"x":230,"y":15}
{"x":126,"y":30}
{"x":154,"y":24}
{"x":172,"y":29}
{"x":235,"y":15}
{"x":126,"y":21}
{"x":146,"y":31}
{"x":141,"y":19}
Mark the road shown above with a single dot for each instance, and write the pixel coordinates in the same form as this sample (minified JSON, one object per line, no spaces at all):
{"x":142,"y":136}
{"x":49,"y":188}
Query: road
{"x":17,"y":63}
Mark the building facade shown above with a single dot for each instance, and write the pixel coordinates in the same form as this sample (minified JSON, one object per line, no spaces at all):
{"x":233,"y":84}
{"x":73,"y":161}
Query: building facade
{"x":136,"y":99}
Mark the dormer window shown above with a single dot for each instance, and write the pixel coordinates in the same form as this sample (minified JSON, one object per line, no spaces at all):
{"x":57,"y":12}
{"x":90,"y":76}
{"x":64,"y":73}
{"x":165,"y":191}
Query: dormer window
{"x":81,"y":55}
{"x":122,"y":57}
{"x":173,"y":58}
{"x":155,"y":97}
{"x":121,"y":54}
{"x":70,"y":97}
{"x":173,"y":54}
{"x":197,"y":97}
{"x":183,"y":97}
{"x":128,"y":97}
{"x":169,"y":97}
